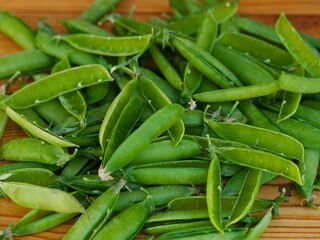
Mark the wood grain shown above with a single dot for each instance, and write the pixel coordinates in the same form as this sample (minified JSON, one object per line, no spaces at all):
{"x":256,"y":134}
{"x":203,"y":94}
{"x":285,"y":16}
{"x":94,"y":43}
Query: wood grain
{"x":295,"y":221}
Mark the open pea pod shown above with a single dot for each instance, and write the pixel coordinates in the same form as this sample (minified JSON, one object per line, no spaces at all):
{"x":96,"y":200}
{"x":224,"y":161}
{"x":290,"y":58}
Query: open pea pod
{"x":109,"y":46}
{"x":263,"y":161}
{"x":276,"y":142}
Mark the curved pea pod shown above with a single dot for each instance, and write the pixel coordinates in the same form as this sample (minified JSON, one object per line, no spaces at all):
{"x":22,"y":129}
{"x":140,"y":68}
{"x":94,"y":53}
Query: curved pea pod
{"x":56,"y":85}
{"x":157,"y":100}
{"x":19,"y":150}
{"x":43,"y":177}
{"x":97,"y":10}
{"x":164,"y":119}
{"x":263,"y":161}
{"x":133,"y":218}
{"x":229,"y":169}
{"x":246,"y":196}
{"x":161,"y":195}
{"x":11,"y":63}
{"x":276,"y":142}
{"x":238,"y":93}
{"x":260,"y":49}
{"x":191,"y":24}
{"x":17,"y":30}
{"x":182,"y":163}
{"x":166,"y":150}
{"x":135,"y":26}
{"x":298,"y":84}
{"x":108,"y":46}
{"x":7,"y":167}
{"x":298,"y":48}
{"x":37,"y":197}
{"x":307,"y":114}
{"x":205,"y":62}
{"x":305,"y":133}
{"x":168,"y":175}
{"x":124,"y":126}
{"x":96,"y":214}
{"x":114,"y":111}
{"x":3,"y":121}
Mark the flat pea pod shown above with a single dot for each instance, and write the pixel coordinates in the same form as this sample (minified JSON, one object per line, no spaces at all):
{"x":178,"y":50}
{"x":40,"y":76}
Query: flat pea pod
{"x":164,"y":118}
{"x":238,"y":93}
{"x":56,"y":85}
{"x":276,"y":142}
{"x":298,"y":84}
{"x":289,"y":106}
{"x":167,"y":175}
{"x":246,"y":196}
{"x":213,"y":194}
{"x":96,"y":93}
{"x":263,"y":161}
{"x":44,"y":177}
{"x":37,"y":197}
{"x":166,"y":150}
{"x":305,"y":133}
{"x":161,"y":195}
{"x":135,"y":26}
{"x":11,"y":63}
{"x":157,"y":100}
{"x":96,"y":214}
{"x":17,"y":30}
{"x":307,"y":114}
{"x":3,"y":121}
{"x":133,"y":217}
{"x":7,"y":167}
{"x":33,"y":116}
{"x":258,"y":48}
{"x":108,"y":46}
{"x":97,"y":10}
{"x":229,"y":169}
{"x":298,"y":48}
{"x":19,"y":150}
{"x":185,"y":163}
{"x":205,"y":63}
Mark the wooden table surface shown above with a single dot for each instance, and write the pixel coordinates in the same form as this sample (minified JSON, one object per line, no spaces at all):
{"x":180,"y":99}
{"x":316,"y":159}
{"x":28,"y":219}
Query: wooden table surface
{"x":295,"y":221}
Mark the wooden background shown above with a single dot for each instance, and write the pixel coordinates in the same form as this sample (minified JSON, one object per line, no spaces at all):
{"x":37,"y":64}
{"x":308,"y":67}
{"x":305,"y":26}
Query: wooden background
{"x":295,"y":221}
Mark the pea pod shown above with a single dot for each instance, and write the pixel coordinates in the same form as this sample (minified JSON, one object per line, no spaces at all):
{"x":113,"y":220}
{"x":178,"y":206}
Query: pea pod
{"x":37,"y":197}
{"x":263,"y":161}
{"x":297,"y":84}
{"x":42,"y":152}
{"x":260,"y":138}
{"x":7,"y":167}
{"x":109,"y":46}
{"x":142,"y":137}
{"x":17,"y":30}
{"x":78,"y":77}
{"x":3,"y":121}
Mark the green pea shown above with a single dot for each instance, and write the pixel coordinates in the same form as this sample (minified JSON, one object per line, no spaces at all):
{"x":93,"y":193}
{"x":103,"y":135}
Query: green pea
{"x":37,"y":197}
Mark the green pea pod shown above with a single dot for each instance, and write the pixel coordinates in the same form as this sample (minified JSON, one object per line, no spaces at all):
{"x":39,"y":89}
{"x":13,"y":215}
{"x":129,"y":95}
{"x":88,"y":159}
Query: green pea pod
{"x":229,"y":169}
{"x":56,"y":85}
{"x":184,"y":163}
{"x":37,"y":197}
{"x":96,"y":214}
{"x":297,"y":84}
{"x":33,"y":116}
{"x":12,"y":64}
{"x":133,"y":217}
{"x":19,"y":150}
{"x":305,"y":133}
{"x":307,"y":114}
{"x":166,"y":150}
{"x":124,"y":126}
{"x":7,"y":167}
{"x":246,"y":196}
{"x":108,"y":46}
{"x":276,"y":142}
{"x":184,"y":8}
{"x":214,"y":188}
{"x":17,"y":30}
{"x":168,"y":175}
{"x":97,"y":10}
{"x":289,"y":106}
{"x":205,"y":63}
{"x":260,"y":49}
{"x":298,"y":48}
{"x":3,"y":121}
{"x":262,"y":161}
{"x":157,"y":100}
{"x":162,"y":195}
{"x":164,"y":118}
{"x":238,"y":93}
{"x":96,"y":93}
{"x":44,"y":177}
{"x":74,"y":167}
{"x":135,"y":26}
{"x":84,"y":26}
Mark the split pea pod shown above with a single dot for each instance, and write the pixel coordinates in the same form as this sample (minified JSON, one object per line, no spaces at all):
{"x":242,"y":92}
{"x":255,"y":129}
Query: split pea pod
{"x":38,"y":197}
{"x":164,"y":118}
{"x":56,"y":84}
{"x":41,"y":151}
{"x":17,"y":30}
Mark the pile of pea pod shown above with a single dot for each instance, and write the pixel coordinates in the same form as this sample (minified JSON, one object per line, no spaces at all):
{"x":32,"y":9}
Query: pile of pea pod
{"x":165,"y":128}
